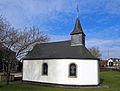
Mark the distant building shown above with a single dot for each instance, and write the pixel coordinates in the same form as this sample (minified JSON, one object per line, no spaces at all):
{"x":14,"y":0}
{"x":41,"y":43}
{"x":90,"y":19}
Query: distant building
{"x":103,"y":63}
{"x":113,"y":62}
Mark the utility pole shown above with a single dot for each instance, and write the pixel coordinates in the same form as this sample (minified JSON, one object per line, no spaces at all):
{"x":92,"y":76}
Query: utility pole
{"x":108,"y":53}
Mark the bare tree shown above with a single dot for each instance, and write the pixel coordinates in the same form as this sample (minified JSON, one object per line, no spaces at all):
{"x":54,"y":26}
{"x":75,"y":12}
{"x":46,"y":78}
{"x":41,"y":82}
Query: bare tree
{"x":8,"y":61}
{"x":95,"y":52}
{"x":23,"y":41}
{"x":19,"y":42}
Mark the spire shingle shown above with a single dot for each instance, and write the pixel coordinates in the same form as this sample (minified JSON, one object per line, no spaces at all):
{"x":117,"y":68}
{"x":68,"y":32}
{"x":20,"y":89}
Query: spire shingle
{"x":77,"y":28}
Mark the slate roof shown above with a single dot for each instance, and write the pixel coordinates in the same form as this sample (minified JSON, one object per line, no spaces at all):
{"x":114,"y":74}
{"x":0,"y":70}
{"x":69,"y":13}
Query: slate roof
{"x":77,"y":28}
{"x":56,"y":50}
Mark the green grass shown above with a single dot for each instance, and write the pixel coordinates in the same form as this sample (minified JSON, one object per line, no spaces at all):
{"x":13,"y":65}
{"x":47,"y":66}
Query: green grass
{"x":111,"y":78}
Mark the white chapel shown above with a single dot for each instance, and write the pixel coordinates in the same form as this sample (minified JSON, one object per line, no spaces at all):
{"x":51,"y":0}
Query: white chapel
{"x":66,"y":63}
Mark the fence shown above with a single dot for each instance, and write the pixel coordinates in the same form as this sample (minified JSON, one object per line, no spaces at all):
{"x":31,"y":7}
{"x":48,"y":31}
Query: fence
{"x":4,"y":78}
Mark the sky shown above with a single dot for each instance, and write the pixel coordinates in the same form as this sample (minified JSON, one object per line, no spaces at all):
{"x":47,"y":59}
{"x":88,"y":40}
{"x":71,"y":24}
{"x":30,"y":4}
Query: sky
{"x":100,"y":20}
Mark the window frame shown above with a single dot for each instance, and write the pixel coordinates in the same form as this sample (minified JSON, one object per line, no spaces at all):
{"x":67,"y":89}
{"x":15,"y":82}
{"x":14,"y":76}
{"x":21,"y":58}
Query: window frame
{"x":43,"y":69}
{"x":69,"y":71}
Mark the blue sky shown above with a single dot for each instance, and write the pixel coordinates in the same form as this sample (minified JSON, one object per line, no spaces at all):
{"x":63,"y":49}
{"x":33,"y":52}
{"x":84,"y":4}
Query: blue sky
{"x":100,"y":20}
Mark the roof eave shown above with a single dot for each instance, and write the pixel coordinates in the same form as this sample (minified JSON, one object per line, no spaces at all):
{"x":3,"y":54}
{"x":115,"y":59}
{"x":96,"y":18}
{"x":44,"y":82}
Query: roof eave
{"x":58,"y":58}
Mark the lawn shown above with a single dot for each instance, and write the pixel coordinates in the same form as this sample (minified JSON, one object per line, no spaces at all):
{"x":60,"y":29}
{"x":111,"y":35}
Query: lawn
{"x":111,"y":78}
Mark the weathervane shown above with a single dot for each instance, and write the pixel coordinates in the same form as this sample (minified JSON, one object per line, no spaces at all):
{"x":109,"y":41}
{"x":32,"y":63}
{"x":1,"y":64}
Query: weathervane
{"x":77,"y":10}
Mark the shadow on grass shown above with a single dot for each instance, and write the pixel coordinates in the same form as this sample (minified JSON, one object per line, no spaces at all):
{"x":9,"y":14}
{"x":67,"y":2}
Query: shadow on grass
{"x":101,"y":81}
{"x":1,"y":86}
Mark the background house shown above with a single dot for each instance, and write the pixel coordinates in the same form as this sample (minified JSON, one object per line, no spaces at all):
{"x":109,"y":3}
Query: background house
{"x":113,"y":62}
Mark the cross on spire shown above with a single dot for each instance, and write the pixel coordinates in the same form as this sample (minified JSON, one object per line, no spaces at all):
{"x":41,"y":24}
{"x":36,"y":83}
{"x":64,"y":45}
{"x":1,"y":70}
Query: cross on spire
{"x":77,"y":10}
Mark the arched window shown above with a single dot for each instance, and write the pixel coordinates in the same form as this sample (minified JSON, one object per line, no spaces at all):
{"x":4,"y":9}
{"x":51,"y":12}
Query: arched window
{"x":72,"y":70}
{"x":44,"y":69}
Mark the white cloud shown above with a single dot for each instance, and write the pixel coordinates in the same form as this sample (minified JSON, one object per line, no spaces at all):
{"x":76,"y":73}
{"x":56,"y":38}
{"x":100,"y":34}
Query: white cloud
{"x":107,"y":47}
{"x":54,"y":38}
{"x":113,"y":7}
{"x":103,"y":42}
{"x":109,"y":32}
{"x":23,"y":12}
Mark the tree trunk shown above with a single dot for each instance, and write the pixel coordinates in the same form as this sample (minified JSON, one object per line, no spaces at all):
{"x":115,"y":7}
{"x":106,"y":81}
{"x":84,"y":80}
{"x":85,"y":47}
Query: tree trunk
{"x":3,"y":69}
{"x":8,"y":74}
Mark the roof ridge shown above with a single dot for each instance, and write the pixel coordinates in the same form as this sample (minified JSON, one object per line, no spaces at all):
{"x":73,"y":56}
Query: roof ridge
{"x":54,"y":42}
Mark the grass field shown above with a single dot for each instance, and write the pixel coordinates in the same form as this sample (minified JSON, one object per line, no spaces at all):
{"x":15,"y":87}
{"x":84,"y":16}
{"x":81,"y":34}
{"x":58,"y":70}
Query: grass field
{"x":110,"y":78}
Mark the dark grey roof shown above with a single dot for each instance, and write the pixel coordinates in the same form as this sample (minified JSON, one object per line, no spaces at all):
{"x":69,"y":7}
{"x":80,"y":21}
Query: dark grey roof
{"x":77,"y":28}
{"x":59,"y":50}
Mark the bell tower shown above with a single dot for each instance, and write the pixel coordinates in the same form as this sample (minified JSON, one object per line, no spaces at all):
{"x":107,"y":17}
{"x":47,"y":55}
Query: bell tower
{"x":77,"y":35}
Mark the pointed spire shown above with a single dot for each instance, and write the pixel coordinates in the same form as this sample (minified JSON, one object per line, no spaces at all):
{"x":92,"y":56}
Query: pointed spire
{"x":77,"y":28}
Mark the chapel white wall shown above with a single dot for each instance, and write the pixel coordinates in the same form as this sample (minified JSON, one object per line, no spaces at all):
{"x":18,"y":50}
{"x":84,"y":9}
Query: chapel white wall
{"x":87,"y":71}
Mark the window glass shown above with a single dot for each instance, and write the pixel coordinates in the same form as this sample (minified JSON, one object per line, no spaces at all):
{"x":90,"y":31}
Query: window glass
{"x":72,"y":70}
{"x":45,"y":69}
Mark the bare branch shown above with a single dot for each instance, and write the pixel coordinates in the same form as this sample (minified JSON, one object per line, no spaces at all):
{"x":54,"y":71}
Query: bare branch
{"x":95,"y":52}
